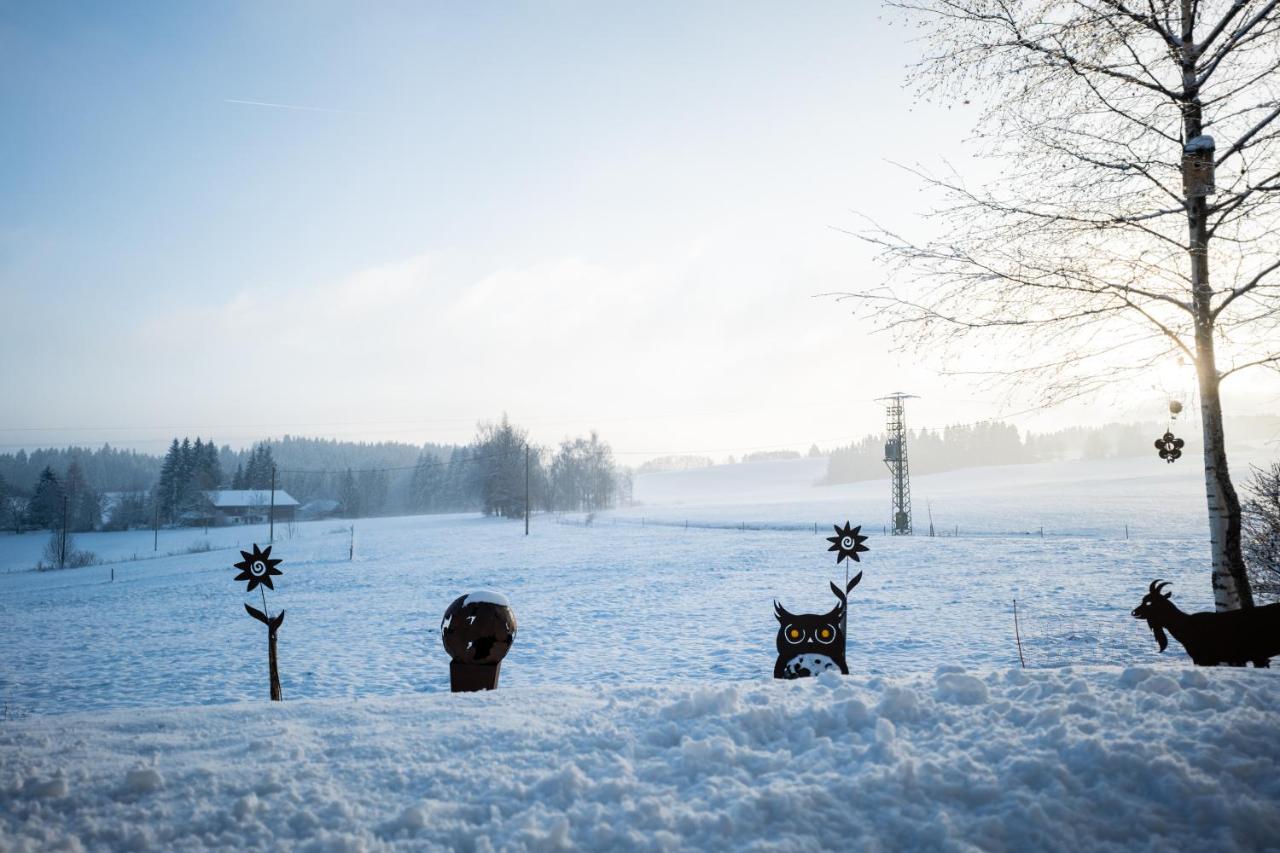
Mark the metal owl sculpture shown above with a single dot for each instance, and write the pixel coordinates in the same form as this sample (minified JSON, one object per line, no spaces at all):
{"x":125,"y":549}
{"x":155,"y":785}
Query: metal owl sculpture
{"x":810,"y":643}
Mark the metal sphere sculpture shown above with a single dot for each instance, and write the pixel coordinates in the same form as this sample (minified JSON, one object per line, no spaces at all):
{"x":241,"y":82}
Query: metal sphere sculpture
{"x":477,"y":631}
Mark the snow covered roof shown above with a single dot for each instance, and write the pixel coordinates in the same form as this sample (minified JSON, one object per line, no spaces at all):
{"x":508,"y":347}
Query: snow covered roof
{"x":249,"y":497}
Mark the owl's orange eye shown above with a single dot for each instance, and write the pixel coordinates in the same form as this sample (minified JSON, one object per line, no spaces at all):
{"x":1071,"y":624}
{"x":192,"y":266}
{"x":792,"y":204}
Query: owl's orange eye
{"x":825,"y":633}
{"x":793,"y":634}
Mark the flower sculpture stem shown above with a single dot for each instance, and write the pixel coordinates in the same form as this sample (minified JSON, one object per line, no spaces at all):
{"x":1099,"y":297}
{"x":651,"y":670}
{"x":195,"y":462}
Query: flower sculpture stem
{"x":258,"y":568}
{"x":848,"y":544}
{"x":273,"y":625}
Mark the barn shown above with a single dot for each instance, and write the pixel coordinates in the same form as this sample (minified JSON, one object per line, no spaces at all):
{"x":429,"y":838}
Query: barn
{"x":250,"y":506}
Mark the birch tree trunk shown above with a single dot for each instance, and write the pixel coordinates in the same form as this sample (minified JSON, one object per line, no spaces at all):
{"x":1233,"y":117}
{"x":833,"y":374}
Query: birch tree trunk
{"x":1229,"y":579}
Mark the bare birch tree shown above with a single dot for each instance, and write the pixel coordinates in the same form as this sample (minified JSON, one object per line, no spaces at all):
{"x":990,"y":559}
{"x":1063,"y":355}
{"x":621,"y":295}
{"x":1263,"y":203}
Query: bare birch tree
{"x":1088,"y":257}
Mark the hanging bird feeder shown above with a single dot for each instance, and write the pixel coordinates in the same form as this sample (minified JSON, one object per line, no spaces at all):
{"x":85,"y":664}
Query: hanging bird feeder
{"x":1197,"y":167}
{"x":1170,"y":447}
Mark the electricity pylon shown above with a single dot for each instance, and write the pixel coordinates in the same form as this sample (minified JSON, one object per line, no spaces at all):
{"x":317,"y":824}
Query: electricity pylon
{"x":895,"y":456}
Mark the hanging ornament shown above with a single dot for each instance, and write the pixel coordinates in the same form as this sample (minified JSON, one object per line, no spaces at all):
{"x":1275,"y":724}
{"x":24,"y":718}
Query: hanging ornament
{"x":1170,"y":448}
{"x":1175,"y":408}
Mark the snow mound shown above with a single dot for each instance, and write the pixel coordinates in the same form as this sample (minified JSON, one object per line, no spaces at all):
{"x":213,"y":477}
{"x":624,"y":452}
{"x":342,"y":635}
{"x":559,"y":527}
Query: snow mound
{"x":1084,"y":759}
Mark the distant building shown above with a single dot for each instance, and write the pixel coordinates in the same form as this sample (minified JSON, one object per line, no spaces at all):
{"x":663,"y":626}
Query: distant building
{"x":250,"y":506}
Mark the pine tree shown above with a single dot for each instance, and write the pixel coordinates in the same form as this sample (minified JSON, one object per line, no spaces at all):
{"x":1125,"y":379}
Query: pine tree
{"x":45,"y":507}
{"x":210,"y":468}
{"x":167,"y":486}
{"x":237,"y":479}
{"x":85,"y":507}
{"x":349,"y":495}
{"x":190,"y":500}
{"x":257,"y":474}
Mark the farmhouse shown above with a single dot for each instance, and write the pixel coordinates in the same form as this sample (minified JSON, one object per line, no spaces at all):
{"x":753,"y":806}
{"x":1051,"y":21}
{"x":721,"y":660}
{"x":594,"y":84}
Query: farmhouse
{"x":250,"y":506}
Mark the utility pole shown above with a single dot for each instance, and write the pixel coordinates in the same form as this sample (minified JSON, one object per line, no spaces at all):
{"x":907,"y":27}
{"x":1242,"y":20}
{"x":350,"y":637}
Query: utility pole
{"x":526,"y":490}
{"x":271,"y":513}
{"x":895,"y":457}
{"x":62,"y":558}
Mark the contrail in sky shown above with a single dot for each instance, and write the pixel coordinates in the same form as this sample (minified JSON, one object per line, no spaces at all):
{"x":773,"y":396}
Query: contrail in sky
{"x":285,"y":106}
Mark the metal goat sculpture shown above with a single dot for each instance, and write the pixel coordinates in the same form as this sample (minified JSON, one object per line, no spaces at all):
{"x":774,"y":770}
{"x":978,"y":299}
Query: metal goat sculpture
{"x":1233,"y":637}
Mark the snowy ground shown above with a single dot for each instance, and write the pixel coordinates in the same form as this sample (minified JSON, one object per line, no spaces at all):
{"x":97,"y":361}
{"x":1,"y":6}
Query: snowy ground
{"x":1132,"y":759}
{"x":635,"y":708}
{"x":603,"y":604}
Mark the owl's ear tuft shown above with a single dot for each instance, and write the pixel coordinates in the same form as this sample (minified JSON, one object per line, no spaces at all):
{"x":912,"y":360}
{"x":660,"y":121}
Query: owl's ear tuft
{"x":780,"y":612}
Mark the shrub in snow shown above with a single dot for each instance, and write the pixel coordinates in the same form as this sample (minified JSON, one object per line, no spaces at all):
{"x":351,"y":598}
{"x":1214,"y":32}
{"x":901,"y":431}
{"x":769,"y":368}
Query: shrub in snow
{"x":1260,"y":521}
{"x":54,"y":557}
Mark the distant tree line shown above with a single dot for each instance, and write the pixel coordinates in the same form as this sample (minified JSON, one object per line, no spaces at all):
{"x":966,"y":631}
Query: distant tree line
{"x":108,"y":468}
{"x":770,"y":455}
{"x":490,"y":474}
{"x":55,"y":502}
{"x":674,"y":463}
{"x":993,"y":443}
{"x":118,"y":490}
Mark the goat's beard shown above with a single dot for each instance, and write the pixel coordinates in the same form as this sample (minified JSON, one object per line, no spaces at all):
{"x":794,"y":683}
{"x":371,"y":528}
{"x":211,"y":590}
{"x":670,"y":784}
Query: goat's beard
{"x":1160,"y":637}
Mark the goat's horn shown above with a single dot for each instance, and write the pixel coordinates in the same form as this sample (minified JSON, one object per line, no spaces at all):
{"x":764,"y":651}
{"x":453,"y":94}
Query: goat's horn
{"x":1162,"y":585}
{"x":1152,"y":588}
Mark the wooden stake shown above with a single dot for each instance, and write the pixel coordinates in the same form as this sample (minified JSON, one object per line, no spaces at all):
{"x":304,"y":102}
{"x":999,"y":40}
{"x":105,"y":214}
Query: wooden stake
{"x":1018,"y":634}
{"x":62,"y":559}
{"x":271,"y":513}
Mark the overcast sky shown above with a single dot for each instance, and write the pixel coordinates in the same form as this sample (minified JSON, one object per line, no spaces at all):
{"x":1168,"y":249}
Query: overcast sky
{"x":386,"y":221}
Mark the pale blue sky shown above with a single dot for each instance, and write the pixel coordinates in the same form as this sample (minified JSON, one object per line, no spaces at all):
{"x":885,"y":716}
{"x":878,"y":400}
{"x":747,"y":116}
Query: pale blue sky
{"x":586,"y":214}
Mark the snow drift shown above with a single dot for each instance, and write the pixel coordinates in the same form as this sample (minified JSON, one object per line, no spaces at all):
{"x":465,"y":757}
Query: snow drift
{"x":1099,"y":758}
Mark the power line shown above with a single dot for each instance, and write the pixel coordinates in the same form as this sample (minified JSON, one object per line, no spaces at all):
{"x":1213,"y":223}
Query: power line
{"x":420,"y":464}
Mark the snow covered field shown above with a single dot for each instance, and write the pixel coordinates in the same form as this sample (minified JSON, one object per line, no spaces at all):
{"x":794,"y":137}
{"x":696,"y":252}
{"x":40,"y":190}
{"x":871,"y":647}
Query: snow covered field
{"x":1064,"y":759}
{"x":636,"y":708}
{"x":602,"y":604}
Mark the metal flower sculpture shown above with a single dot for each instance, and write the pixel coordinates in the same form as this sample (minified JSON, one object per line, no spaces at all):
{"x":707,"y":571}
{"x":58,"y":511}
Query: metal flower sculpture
{"x":1170,"y":448}
{"x":257,"y":568}
{"x":812,"y":643}
{"x":848,"y":541}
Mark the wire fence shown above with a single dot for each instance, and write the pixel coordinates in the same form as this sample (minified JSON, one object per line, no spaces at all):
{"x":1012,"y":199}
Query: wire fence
{"x":824,"y":527}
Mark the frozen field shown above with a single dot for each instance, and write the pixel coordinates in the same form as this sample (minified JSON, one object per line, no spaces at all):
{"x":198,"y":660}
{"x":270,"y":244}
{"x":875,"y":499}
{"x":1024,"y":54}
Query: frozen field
{"x":616,"y":602}
{"x":637,"y":709}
